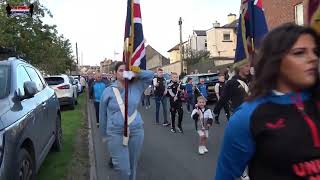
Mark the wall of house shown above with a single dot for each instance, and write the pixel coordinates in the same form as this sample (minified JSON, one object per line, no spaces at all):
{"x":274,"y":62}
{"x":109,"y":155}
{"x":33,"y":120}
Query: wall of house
{"x":282,"y":11}
{"x":174,"y":67}
{"x":174,"y":56}
{"x":217,"y":46}
{"x":154,"y":61}
{"x":198,"y":42}
{"x":222,"y":62}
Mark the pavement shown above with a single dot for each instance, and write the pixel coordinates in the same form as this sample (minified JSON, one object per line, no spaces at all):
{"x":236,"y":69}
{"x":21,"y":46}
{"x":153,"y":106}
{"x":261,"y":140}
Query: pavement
{"x":165,"y":155}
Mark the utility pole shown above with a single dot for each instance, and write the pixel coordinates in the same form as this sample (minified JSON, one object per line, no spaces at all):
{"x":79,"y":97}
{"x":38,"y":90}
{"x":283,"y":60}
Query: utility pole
{"x":181,"y":47}
{"x":77,"y":53}
{"x":81,"y":62}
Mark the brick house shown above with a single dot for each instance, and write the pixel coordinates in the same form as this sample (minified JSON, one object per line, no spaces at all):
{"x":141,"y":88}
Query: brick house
{"x":278,"y":12}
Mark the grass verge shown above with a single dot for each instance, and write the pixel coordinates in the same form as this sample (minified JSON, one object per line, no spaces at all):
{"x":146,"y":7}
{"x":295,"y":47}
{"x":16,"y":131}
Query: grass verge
{"x":56,"y":164}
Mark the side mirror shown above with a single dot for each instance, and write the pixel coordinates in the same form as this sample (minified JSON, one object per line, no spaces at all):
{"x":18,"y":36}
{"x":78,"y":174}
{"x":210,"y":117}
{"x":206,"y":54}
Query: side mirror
{"x":30,"y":89}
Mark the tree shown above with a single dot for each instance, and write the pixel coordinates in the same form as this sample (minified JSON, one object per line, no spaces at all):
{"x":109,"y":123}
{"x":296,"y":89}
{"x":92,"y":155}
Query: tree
{"x":192,"y":56}
{"x":38,"y":42}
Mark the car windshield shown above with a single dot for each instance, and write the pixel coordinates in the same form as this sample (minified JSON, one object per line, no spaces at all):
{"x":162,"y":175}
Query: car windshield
{"x":4,"y":81}
{"x":54,"y":80}
{"x":207,"y":78}
{"x":210,"y":78}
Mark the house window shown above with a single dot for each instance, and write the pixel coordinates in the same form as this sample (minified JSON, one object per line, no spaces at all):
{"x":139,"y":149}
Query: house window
{"x":298,"y":14}
{"x":205,"y":44}
{"x":226,"y":37}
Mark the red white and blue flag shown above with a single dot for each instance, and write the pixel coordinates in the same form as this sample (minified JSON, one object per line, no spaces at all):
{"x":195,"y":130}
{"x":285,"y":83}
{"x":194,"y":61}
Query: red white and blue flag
{"x":252,"y":27}
{"x":134,"y":50}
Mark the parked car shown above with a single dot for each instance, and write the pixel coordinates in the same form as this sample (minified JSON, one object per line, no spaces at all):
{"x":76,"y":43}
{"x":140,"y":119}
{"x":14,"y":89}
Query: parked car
{"x":65,"y":89}
{"x":210,"y":80}
{"x":30,"y":120}
{"x":79,"y":87}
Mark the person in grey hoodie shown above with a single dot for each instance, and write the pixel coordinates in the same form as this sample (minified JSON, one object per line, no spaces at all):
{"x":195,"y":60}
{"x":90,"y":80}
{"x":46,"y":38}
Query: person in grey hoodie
{"x":124,"y":158}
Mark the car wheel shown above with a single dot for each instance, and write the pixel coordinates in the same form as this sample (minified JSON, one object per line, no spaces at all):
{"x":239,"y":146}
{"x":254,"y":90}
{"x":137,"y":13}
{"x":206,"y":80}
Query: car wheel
{"x":26,"y":166}
{"x":72,"y":105}
{"x":57,"y":145}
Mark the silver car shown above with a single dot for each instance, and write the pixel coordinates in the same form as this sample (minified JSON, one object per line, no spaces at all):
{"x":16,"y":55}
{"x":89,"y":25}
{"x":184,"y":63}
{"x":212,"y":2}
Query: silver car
{"x":30,"y":121}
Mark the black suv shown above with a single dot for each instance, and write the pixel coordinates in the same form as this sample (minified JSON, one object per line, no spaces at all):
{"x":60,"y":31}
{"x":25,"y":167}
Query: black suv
{"x":210,"y":80}
{"x":30,"y":121}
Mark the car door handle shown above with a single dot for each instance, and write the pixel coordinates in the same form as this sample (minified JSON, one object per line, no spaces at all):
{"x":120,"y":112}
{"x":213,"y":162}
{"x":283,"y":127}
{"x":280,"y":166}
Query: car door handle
{"x":44,"y":104}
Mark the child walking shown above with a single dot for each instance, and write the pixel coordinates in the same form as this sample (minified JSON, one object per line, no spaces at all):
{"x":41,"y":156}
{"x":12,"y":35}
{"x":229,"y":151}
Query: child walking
{"x":203,"y":117}
{"x":175,"y":93}
{"x":147,"y":94}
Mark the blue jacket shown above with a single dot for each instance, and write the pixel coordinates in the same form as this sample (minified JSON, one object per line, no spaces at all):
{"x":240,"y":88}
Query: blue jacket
{"x":273,"y":138}
{"x":111,"y":118}
{"x":97,"y":90}
{"x":189,"y":89}
{"x":203,"y":90}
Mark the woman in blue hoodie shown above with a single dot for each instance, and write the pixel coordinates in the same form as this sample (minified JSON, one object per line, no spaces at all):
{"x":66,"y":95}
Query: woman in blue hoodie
{"x":276,"y":133}
{"x":124,"y":158}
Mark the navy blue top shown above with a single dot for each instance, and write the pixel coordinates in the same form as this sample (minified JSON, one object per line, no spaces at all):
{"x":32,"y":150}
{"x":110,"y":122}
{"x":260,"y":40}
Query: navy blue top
{"x":272,"y":138}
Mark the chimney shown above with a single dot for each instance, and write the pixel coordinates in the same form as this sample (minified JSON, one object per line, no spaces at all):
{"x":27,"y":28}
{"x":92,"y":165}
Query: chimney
{"x":216,"y":24}
{"x":231,"y":18}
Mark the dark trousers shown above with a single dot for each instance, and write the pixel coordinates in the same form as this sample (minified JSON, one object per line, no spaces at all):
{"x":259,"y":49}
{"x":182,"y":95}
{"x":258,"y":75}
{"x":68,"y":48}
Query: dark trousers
{"x":221,"y":104}
{"x":145,"y":100}
{"x":96,"y":106}
{"x":176,"y":108}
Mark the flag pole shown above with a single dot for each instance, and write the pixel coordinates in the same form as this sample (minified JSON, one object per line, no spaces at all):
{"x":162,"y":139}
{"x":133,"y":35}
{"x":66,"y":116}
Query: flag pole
{"x":125,"y":127}
{"x":129,"y":44}
{"x":252,"y":33}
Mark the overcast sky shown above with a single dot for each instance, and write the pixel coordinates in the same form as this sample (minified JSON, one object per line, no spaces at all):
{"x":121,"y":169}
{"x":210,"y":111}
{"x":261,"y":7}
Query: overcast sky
{"x":98,"y":25}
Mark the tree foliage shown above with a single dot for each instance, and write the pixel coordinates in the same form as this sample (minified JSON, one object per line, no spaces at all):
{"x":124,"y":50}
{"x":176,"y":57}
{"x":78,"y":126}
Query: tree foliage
{"x":193,"y":57}
{"x":38,"y":42}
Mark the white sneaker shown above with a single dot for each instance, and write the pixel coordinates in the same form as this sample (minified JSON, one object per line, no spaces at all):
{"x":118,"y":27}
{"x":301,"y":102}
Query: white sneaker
{"x":201,"y":152}
{"x":205,"y":149}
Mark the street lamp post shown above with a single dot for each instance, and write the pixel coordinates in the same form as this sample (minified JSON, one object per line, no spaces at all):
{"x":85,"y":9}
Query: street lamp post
{"x":181,"y":48}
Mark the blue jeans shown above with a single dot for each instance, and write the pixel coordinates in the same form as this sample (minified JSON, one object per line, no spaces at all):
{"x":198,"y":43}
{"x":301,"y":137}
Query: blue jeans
{"x":163,"y":101}
{"x":125,"y":158}
{"x":190,"y":102}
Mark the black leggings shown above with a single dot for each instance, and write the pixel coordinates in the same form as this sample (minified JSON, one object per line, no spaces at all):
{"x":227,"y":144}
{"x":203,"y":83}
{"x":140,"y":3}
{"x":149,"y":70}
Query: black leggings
{"x":176,"y":109}
{"x":96,"y":106}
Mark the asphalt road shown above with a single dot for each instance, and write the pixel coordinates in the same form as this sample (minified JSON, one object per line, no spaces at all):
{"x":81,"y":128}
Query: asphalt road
{"x":166,"y":155}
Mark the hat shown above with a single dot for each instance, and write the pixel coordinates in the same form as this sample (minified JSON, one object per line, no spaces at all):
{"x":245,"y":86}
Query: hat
{"x":240,"y":63}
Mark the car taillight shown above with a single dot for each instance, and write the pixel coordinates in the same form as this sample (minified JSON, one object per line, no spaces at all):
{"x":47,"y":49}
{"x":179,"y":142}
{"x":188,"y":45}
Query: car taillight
{"x":64,"y":87}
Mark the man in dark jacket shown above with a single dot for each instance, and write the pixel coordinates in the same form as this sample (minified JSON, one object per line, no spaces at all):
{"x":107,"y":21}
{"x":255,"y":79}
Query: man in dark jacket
{"x":175,"y":93}
{"x":90,"y":82}
{"x":235,"y":90}
{"x":160,"y":92}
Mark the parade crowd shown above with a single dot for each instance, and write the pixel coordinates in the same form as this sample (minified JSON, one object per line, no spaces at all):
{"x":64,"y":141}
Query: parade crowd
{"x":272,"y":106}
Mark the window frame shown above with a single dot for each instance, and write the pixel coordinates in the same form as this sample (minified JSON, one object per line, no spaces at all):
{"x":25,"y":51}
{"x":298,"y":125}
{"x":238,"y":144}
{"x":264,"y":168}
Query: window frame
{"x":17,"y":76}
{"x":223,"y":37}
{"x":35,"y":70}
{"x":296,"y":14}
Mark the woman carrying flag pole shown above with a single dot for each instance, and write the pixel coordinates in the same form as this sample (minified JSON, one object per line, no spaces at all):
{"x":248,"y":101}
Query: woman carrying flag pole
{"x":121,"y":124}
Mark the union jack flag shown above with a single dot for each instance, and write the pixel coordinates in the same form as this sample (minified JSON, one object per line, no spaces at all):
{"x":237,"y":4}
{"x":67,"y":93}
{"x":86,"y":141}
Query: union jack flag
{"x":134,"y":50}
